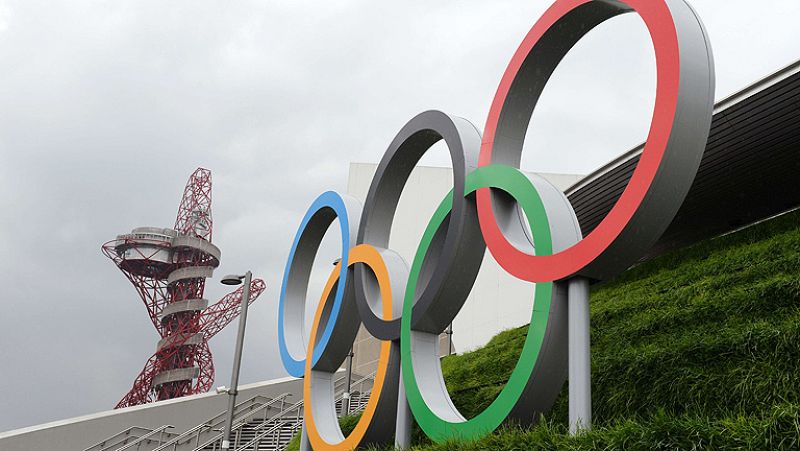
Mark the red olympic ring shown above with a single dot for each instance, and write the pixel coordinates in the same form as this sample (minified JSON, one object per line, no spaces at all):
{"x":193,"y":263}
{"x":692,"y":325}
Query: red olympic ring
{"x":656,"y":15}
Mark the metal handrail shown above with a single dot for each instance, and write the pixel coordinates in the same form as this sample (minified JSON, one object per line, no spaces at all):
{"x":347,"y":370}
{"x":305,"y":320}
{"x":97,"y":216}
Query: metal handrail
{"x":359,"y":383}
{"x":243,"y":420}
{"x":210,"y":424}
{"x":259,"y":436}
{"x":257,"y":439}
{"x":213,"y":440}
{"x":370,"y":376}
{"x":339,"y":382}
{"x":146,"y":437}
{"x":239,"y":425}
{"x":217,"y":420}
{"x":125,"y":435}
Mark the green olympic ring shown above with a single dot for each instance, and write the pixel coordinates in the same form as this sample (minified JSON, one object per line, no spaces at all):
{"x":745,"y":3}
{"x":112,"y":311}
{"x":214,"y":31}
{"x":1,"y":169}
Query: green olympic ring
{"x":437,"y":428}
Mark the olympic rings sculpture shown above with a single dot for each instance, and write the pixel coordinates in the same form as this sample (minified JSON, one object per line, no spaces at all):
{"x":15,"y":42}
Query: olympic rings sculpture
{"x":406,"y":307}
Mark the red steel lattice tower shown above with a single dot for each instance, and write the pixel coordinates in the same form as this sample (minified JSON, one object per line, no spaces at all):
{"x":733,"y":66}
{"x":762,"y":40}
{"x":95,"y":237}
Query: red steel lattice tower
{"x":168,"y":268}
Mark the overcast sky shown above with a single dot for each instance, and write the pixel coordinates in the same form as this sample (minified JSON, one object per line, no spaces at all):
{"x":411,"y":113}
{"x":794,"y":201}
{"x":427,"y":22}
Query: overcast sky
{"x":106,"y":107}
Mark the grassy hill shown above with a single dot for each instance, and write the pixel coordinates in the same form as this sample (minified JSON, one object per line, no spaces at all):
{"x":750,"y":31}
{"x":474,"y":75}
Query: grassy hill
{"x":698,"y":349}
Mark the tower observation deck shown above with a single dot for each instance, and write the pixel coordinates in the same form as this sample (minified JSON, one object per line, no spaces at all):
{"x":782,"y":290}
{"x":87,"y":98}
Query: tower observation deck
{"x":169,"y":268}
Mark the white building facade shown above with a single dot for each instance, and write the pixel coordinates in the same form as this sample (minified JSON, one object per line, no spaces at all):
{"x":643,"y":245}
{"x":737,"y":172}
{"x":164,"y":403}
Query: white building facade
{"x":498,"y":300}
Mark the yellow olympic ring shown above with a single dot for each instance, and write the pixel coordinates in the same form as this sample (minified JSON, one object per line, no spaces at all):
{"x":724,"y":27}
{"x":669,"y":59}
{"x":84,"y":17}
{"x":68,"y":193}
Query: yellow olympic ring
{"x":369,"y":256}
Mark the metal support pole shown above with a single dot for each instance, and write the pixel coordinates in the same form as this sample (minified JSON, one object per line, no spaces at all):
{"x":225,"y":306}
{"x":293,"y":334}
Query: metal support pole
{"x":346,"y":395}
{"x":237,"y":362}
{"x":305,"y":444}
{"x":580,"y":369}
{"x":402,"y":435}
{"x":449,"y":333}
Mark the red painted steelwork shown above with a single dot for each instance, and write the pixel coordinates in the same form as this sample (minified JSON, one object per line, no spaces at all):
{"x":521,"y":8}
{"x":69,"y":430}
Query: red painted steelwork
{"x":143,"y":263}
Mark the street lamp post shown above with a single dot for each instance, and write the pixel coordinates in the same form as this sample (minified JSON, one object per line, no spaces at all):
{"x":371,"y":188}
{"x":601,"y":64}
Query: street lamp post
{"x":237,"y":356}
{"x":347,"y":395}
{"x":449,"y":333}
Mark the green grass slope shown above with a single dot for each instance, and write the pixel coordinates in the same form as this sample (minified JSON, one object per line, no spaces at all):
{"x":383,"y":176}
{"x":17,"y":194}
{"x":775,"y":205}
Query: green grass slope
{"x":698,"y":349}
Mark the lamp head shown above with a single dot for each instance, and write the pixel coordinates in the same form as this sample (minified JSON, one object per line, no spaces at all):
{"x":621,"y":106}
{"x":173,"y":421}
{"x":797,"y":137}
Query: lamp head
{"x":232,"y":279}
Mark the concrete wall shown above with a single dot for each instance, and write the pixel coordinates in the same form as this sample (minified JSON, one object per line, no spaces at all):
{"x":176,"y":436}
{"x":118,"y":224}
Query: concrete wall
{"x":366,"y":350}
{"x":184,"y":413}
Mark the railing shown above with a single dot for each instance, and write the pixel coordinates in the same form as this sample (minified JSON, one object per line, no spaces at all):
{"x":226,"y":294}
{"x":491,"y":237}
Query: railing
{"x":360,"y":384}
{"x":215,"y":440}
{"x":255,"y":442}
{"x":147,"y":438}
{"x":212,"y":424}
{"x":240,"y":423}
{"x":287,"y":416}
{"x":120,"y":438}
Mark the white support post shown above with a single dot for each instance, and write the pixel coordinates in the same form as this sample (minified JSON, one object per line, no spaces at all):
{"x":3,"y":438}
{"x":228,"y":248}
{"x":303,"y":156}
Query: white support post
{"x":402,"y":435}
{"x":305,"y":445}
{"x":580,"y":368}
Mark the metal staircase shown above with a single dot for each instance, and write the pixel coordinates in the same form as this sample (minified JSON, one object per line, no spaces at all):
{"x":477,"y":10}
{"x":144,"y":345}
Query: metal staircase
{"x":276,"y":433}
{"x":145,"y":439}
{"x":260,"y":424}
{"x":208,"y":435}
{"x":134,"y":438}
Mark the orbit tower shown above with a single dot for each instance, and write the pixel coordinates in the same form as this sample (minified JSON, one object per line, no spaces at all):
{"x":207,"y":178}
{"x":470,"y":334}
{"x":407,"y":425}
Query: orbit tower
{"x":168,"y":268}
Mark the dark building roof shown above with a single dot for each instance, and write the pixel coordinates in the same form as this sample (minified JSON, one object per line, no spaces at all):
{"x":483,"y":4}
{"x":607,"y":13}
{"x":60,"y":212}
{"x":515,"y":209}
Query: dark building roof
{"x":750,"y":169}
